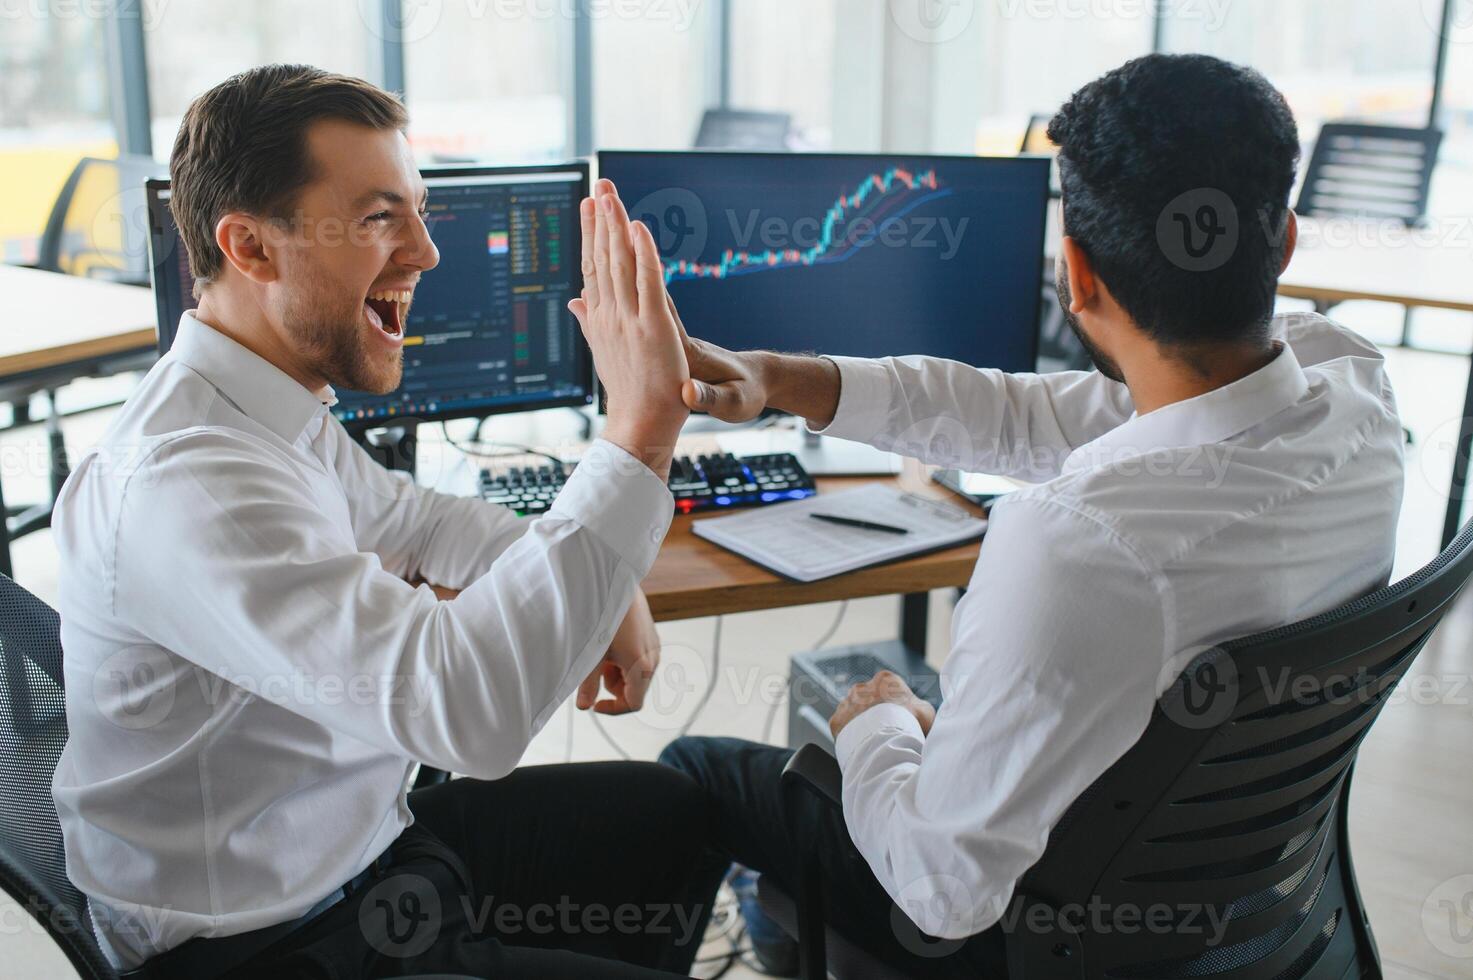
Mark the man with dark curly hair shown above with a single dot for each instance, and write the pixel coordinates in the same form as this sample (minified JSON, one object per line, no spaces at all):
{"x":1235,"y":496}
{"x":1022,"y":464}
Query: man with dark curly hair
{"x":1224,"y":471}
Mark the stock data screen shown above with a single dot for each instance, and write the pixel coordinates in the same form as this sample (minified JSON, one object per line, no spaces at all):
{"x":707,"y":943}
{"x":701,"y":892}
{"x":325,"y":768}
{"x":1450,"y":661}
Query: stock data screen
{"x":848,"y":254}
{"x":490,"y":324}
{"x":489,"y":329}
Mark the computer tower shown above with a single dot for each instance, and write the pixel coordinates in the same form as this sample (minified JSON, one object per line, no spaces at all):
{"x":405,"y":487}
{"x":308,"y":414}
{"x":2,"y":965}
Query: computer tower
{"x":819,"y":679}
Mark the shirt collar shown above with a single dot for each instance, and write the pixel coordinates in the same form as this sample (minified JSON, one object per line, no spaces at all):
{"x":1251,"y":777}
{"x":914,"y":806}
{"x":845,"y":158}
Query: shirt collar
{"x":1207,"y":419}
{"x":260,"y":389}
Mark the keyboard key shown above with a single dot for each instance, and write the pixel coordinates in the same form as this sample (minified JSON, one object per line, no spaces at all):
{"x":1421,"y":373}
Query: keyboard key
{"x":707,"y":481}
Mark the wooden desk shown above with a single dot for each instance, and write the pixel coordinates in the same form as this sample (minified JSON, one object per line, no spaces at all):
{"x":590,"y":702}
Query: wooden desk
{"x":693,"y":577}
{"x":1342,"y":260}
{"x":58,"y":322}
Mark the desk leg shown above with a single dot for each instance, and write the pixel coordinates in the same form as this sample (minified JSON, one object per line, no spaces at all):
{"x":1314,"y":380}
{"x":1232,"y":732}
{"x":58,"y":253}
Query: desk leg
{"x":4,"y":538}
{"x":1459,"y":488}
{"x":915,"y":610}
{"x":60,"y":468}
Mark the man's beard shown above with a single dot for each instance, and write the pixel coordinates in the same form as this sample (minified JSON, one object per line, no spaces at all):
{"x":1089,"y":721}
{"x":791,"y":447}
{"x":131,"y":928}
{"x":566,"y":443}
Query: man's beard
{"x":1102,"y":362}
{"x":333,"y":342}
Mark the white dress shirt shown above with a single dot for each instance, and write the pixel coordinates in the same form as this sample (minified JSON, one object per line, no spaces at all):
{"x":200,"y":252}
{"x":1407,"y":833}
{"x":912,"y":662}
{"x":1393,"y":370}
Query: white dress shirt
{"x":1149,"y":539}
{"x":250,"y":678}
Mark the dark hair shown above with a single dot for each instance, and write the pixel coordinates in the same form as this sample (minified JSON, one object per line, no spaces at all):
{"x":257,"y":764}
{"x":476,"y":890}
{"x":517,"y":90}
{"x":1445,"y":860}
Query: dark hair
{"x":243,"y":147}
{"x":1168,"y":154}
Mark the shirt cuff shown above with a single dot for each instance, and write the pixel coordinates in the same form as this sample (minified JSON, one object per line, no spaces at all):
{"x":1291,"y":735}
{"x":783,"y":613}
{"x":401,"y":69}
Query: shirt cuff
{"x":620,"y":500}
{"x":864,"y":399}
{"x":884,"y":719}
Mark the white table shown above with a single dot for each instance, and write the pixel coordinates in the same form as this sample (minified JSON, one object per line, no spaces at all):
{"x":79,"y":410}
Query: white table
{"x":1339,"y":260}
{"x":60,"y":328}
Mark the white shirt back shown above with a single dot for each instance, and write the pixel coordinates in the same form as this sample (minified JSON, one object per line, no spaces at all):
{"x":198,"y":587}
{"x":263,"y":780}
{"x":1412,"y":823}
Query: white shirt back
{"x":1147,"y":540}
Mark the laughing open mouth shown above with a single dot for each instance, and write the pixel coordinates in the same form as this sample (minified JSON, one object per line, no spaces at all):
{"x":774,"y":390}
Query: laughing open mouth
{"x":386,"y":310}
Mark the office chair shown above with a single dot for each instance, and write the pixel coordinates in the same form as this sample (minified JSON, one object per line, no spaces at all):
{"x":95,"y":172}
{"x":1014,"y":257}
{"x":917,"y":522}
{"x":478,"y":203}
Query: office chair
{"x":1366,"y":171}
{"x":1035,"y":136}
{"x":1058,"y":348}
{"x":1360,"y":170}
{"x":98,"y":225}
{"x":32,"y":733}
{"x":1234,"y":799}
{"x":1036,"y":142}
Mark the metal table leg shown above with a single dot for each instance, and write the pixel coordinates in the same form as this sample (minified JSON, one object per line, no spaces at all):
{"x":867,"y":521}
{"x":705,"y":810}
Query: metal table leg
{"x":4,"y":536}
{"x":60,"y":468}
{"x":915,"y":611}
{"x":1461,"y":451}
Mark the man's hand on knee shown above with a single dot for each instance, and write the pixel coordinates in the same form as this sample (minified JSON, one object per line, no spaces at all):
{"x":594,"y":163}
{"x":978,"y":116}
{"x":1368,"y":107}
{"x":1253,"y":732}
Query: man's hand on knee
{"x":883,"y":688}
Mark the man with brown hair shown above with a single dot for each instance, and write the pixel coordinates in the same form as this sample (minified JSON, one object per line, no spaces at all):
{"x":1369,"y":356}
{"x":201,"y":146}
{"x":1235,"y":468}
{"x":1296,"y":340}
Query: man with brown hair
{"x":250,"y":677}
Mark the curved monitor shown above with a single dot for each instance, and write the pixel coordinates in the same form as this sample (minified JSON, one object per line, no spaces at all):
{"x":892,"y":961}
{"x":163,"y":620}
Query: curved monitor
{"x":490,"y":331}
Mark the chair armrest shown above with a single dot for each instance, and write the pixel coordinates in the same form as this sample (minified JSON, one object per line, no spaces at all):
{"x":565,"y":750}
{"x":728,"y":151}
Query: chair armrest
{"x":811,"y":770}
{"x":814,"y":770}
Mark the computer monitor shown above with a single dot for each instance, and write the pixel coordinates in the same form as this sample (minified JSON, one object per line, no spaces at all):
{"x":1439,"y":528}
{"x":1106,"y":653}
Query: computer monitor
{"x":490,"y":331}
{"x":864,"y":255}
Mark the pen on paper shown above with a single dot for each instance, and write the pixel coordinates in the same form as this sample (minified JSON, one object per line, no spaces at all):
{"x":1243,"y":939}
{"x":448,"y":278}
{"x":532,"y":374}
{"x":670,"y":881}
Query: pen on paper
{"x":865,"y":525}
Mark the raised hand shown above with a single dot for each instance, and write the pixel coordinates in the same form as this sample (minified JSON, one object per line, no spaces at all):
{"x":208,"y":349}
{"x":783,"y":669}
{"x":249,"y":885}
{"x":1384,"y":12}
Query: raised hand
{"x":725,"y":384}
{"x":630,"y":325}
{"x":736,"y":386}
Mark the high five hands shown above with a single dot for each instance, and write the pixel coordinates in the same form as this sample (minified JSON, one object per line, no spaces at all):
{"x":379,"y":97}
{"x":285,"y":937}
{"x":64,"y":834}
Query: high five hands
{"x":630,"y":325}
{"x":654,"y":374}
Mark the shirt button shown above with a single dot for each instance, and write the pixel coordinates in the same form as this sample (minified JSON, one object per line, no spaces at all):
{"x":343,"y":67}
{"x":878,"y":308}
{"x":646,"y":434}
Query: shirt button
{"x":656,"y":533}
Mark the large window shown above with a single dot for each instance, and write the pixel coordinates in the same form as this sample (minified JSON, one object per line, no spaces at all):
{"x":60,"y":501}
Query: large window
{"x":488,"y":81}
{"x":1371,"y":62}
{"x":53,"y":111}
{"x":1365,"y":62}
{"x":654,"y":72}
{"x":1452,"y":185}
{"x":782,"y":60}
{"x":193,"y":45}
{"x":1034,"y":55}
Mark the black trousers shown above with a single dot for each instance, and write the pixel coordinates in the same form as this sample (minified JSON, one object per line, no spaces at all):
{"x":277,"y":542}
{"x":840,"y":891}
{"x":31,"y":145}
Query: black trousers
{"x":575,"y":871}
{"x":743,"y":781}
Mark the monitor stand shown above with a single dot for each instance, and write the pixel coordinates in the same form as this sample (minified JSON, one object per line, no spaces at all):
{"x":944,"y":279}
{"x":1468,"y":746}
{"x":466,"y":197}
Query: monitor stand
{"x":392,"y":447}
{"x":820,"y":455}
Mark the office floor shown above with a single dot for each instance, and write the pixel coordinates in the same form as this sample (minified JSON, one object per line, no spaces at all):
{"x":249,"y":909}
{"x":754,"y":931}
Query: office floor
{"x":1410,"y":825}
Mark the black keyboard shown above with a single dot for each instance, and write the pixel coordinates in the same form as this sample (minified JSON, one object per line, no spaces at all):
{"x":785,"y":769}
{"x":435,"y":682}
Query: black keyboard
{"x":699,"y":483}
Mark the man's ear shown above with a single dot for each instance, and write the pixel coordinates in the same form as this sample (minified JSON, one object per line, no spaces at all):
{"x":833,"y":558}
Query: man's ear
{"x":241,"y":237}
{"x":1291,"y":239}
{"x":1084,"y":286}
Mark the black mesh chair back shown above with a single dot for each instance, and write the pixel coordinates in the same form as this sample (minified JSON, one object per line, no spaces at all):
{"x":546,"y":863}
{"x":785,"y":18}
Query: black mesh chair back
{"x":1059,"y":348}
{"x":1225,"y":825}
{"x":1365,"y":171}
{"x":32,"y":733}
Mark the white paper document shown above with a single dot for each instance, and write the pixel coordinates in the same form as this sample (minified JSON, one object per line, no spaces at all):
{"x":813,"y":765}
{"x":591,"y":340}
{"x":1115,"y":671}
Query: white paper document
{"x":787,"y":540}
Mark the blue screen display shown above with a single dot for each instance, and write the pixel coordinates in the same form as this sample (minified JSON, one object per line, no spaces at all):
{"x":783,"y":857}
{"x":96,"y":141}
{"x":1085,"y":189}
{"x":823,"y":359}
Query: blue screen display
{"x":848,"y":254}
{"x":489,"y":330}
